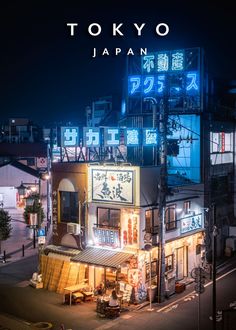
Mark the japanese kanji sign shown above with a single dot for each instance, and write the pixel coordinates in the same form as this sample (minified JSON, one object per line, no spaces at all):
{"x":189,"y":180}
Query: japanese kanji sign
{"x":114,"y":186}
{"x":190,"y":223}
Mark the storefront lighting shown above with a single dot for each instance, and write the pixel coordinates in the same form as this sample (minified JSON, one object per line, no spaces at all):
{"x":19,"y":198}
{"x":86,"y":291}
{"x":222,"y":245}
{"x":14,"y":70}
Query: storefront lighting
{"x":108,"y":269}
{"x":29,"y":201}
{"x":179,"y":210}
{"x":33,"y":188}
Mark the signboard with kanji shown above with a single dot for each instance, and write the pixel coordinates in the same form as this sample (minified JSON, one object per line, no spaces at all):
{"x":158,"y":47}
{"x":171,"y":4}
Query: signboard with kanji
{"x":114,"y":186}
{"x":191,"y":223}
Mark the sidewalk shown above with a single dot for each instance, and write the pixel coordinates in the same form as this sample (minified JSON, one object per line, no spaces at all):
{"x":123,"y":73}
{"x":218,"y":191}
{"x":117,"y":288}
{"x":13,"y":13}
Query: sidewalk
{"x":42,"y":305}
{"x":21,"y":236}
{"x":11,"y":323}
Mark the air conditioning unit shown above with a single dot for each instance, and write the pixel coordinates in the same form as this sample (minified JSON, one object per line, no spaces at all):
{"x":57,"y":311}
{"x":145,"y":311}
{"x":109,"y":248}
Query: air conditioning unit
{"x":73,"y":228}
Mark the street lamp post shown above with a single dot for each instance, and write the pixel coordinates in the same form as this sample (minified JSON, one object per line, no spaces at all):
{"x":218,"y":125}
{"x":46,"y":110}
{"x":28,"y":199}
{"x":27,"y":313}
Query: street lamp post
{"x":163,"y":117}
{"x":33,"y":210}
{"x":150,"y":309}
{"x":214,"y":242}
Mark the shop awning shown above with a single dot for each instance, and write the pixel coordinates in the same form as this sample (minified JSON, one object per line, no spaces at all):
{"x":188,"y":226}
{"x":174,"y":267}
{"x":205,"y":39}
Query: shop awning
{"x":102,"y":257}
{"x":66,"y":251}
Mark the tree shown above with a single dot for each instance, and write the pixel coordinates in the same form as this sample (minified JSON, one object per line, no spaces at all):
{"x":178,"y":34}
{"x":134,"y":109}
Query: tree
{"x":5,"y":226}
{"x":36,"y":207}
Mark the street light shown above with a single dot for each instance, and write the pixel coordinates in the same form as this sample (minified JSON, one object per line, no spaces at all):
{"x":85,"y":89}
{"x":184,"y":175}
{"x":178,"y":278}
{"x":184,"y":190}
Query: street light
{"x":21,"y":189}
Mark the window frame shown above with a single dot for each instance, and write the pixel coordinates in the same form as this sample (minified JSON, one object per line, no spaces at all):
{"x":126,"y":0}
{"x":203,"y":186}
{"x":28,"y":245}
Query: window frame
{"x":154,"y":221}
{"x":172,"y":263}
{"x":109,"y":217}
{"x":168,"y":220}
{"x":187,"y":209}
{"x":70,"y":219}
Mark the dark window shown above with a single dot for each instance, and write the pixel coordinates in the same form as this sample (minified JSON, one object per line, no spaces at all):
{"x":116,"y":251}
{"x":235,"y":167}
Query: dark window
{"x":108,"y":217}
{"x":169,"y":263}
{"x":187,"y":206}
{"x":152,"y":221}
{"x":170,"y":217}
{"x":30,"y":161}
{"x":153,"y":269}
{"x":69,"y":203}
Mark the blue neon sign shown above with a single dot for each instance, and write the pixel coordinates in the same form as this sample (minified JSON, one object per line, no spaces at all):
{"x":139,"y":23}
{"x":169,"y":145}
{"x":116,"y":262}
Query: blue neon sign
{"x":150,"y":137}
{"x":148,"y":84}
{"x":132,"y":137}
{"x":162,"y":62}
{"x":134,"y":84}
{"x":111,"y":137}
{"x":187,"y":82}
{"x":69,"y":136}
{"x":148,"y":63}
{"x":91,"y":137}
{"x":192,"y":82}
{"x":177,"y":61}
{"x":165,"y":61}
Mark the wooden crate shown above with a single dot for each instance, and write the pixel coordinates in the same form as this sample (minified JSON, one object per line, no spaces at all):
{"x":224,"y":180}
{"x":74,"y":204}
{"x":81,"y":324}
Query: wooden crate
{"x":180,"y":287}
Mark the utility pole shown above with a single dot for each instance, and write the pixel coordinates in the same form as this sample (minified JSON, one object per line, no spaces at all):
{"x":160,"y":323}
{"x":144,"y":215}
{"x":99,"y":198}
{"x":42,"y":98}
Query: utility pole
{"x":163,"y":118}
{"x":214,"y":242}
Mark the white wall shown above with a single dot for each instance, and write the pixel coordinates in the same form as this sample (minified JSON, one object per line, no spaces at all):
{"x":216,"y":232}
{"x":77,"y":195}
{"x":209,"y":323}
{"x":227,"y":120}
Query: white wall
{"x":12,"y":176}
{"x":8,"y":197}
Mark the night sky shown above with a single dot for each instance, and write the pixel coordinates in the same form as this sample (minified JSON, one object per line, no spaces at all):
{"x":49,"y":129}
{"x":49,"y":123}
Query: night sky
{"x":49,"y":77}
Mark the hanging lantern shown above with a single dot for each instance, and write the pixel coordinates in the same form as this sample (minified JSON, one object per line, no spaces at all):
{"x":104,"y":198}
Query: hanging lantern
{"x":21,"y":189}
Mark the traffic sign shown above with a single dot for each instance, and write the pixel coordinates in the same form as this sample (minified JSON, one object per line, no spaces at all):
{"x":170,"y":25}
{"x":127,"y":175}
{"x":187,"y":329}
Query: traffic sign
{"x":41,"y":240}
{"x":41,"y":232}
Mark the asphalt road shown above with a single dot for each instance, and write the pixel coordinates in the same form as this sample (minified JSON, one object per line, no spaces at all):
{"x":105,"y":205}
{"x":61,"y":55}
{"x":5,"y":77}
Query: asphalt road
{"x":178,"y":313}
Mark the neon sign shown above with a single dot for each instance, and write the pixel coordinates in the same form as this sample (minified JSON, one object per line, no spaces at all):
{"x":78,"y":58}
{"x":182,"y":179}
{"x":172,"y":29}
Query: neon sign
{"x":150,"y":137}
{"x":167,"y":61}
{"x":69,"y":136}
{"x":187,"y":83}
{"x":91,"y":136}
{"x":95,"y":137}
{"x":111,"y":137}
{"x":132,"y":137}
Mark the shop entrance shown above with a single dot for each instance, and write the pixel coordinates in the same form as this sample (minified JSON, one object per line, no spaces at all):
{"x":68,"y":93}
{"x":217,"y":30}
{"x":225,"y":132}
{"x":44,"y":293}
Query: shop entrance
{"x":180,"y":263}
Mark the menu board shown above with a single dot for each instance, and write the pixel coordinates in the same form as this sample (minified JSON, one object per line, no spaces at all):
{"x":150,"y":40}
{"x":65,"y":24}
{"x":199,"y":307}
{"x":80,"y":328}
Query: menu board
{"x":109,"y":237}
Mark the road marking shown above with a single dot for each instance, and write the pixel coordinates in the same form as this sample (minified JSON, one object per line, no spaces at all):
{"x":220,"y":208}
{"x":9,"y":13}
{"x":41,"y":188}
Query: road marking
{"x":190,"y":297}
{"x":170,"y":309}
{"x":222,"y":276}
{"x":180,"y":299}
{"x":113,"y":322}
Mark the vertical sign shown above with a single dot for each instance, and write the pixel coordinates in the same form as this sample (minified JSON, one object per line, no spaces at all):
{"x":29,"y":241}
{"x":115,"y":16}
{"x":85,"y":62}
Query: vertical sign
{"x":54,"y":212}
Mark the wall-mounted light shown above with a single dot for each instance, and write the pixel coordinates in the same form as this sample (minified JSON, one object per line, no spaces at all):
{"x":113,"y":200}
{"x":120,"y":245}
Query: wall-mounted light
{"x":179,"y":210}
